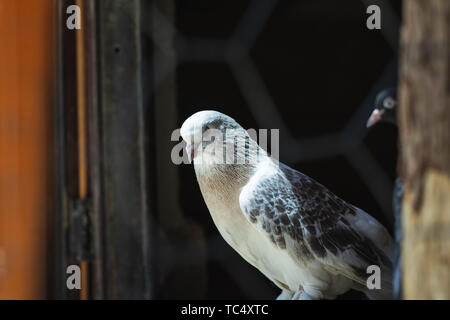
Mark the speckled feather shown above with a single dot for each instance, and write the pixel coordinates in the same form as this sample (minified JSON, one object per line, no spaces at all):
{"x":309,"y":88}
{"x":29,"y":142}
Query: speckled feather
{"x":300,"y":215}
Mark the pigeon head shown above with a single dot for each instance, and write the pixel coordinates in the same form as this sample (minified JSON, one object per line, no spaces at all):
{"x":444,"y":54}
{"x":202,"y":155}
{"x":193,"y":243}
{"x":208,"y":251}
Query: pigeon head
{"x":385,"y":108}
{"x":208,"y":132}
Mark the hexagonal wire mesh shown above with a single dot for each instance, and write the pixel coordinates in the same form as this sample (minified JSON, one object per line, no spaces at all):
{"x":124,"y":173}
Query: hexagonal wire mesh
{"x":182,"y":52}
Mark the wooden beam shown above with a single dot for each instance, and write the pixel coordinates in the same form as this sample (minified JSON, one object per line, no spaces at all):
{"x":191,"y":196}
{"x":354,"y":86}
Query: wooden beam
{"x":124,"y":146}
{"x":424,"y":117}
{"x":26,"y":62}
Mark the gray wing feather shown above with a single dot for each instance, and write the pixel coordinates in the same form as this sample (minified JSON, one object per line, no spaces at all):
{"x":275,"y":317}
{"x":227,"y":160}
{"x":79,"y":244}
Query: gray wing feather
{"x":300,"y":215}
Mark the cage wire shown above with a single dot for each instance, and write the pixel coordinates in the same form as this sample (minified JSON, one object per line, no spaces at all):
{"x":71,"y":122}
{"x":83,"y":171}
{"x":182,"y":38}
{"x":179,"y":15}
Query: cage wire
{"x":234,"y":52}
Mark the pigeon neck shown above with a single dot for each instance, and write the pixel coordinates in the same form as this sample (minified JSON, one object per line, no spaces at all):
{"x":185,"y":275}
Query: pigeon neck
{"x":223,"y":180}
{"x":223,"y":177}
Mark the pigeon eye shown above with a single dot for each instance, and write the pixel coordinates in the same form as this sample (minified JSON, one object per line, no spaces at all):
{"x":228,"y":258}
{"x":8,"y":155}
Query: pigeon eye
{"x":389,"y":103}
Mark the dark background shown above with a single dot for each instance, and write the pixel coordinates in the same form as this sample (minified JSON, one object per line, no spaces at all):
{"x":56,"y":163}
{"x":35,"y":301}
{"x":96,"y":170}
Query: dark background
{"x":309,"y":68}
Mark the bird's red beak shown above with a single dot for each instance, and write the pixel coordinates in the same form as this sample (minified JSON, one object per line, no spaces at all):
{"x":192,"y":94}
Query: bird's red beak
{"x":375,"y":117}
{"x":190,"y":150}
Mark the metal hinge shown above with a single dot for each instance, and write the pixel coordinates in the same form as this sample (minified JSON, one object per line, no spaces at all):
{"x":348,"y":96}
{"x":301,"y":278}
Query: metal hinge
{"x":79,"y":229}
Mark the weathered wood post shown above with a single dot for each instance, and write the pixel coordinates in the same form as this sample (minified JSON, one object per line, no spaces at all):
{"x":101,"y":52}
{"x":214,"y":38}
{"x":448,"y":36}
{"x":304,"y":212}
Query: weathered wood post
{"x":424,"y":118}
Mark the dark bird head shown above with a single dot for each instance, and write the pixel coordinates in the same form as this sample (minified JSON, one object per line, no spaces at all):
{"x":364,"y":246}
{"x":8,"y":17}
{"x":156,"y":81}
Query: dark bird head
{"x":385,"y":108}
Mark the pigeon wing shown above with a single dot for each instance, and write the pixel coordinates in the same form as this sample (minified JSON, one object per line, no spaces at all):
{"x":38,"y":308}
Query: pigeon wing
{"x":300,"y":215}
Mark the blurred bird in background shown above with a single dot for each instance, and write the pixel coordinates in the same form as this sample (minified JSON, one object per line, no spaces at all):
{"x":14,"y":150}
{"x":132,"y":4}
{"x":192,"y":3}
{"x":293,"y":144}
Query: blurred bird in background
{"x":385,"y":111}
{"x":305,"y":239}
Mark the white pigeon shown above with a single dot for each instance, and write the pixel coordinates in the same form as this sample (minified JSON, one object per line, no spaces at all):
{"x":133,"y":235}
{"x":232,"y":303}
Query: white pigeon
{"x":301,"y":236}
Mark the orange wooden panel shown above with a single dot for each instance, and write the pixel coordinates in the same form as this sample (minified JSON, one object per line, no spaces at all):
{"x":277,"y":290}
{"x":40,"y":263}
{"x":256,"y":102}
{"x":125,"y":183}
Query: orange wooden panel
{"x":26,"y":61}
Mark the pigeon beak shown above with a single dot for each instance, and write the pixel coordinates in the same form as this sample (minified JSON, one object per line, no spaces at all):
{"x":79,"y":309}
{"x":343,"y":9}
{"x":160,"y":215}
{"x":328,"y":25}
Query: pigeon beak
{"x":190,"y":150}
{"x":375,"y":117}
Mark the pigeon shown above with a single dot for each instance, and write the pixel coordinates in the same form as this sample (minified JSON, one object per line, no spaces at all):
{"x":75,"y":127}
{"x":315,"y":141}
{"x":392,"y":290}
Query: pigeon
{"x":310,"y":243}
{"x":385,"y":111}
